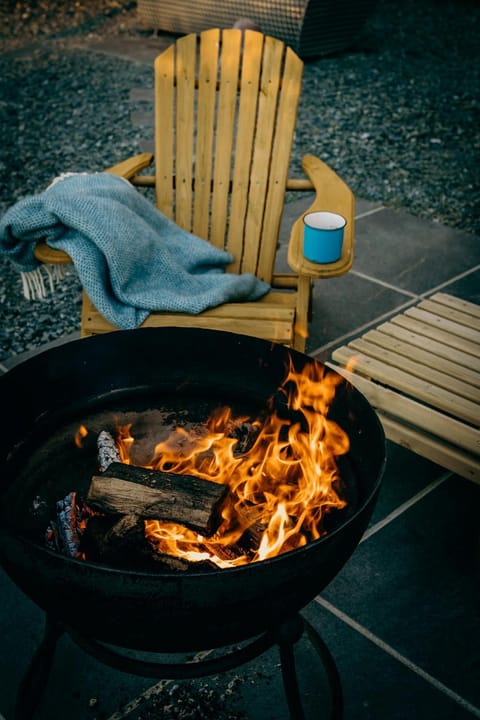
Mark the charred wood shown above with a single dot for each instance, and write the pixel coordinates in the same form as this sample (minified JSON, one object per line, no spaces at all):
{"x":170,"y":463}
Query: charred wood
{"x":121,"y":542}
{"x":64,"y":533}
{"x":111,"y":539}
{"x":107,"y":451}
{"x":245,"y":434}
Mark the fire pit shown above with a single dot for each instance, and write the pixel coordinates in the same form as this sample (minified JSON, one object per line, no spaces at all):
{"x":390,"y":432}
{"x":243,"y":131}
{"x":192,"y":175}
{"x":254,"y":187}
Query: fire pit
{"x":180,"y":377}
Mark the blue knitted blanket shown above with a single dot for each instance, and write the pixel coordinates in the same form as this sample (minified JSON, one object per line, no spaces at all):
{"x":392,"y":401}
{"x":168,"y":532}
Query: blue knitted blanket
{"x":130,"y":258}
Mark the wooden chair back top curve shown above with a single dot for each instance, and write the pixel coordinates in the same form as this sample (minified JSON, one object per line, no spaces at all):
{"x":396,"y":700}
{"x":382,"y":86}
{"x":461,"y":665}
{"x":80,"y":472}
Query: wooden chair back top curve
{"x":226,"y":105}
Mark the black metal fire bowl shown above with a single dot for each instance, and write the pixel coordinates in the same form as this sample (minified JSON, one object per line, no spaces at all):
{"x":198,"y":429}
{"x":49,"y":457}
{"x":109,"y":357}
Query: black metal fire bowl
{"x":166,"y":611}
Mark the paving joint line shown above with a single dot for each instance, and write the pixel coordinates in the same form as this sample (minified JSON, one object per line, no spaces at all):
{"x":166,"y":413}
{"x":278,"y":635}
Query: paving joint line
{"x":373,"y":211}
{"x":448,"y":282}
{"x":385,"y":284}
{"x":361,"y":328}
{"x":416,"y":669}
{"x":405,"y":506}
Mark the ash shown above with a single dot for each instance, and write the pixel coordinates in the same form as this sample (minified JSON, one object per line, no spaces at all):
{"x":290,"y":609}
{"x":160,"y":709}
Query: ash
{"x":189,"y":702}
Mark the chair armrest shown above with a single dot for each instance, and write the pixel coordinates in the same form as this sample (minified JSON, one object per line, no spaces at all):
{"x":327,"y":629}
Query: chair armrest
{"x":334,"y":195}
{"x":126,"y":169}
{"x":48,"y":255}
{"x":129,"y":167}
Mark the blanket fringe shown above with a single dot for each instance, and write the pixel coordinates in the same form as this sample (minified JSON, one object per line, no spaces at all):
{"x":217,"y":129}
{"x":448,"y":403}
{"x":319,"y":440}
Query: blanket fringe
{"x":35,"y":282}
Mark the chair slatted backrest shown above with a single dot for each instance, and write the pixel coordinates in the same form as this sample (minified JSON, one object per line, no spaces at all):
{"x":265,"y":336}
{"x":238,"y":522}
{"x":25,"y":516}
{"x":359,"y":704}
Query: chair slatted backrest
{"x":225,"y":112}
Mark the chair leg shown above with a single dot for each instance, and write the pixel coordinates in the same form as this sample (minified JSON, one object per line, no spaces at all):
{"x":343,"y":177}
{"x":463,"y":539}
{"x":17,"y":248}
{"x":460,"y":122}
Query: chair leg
{"x":304,"y":294}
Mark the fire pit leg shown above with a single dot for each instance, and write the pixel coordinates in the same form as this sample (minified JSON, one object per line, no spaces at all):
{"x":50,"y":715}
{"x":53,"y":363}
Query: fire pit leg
{"x":288,"y":634}
{"x":35,"y":679}
{"x":330,"y":669}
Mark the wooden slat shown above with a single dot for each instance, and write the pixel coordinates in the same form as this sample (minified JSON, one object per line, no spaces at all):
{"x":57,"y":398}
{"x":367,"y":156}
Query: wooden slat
{"x":164,"y":133}
{"x":420,"y":363}
{"x":185,"y":71}
{"x":273,"y":332}
{"x":274,"y":304}
{"x":413,"y":413}
{"x":443,"y":324}
{"x":461,"y":360}
{"x":423,"y":390}
{"x":440,"y":452}
{"x":431,"y":332}
{"x":468,"y":308}
{"x":457,"y":316}
{"x":259,"y":176}
{"x":277,"y":332}
{"x":270,"y":318}
{"x":207,"y":78}
{"x":230,"y":64}
{"x":284,"y":131}
{"x":421,"y":372}
{"x":247,"y":117}
{"x":432,"y":435}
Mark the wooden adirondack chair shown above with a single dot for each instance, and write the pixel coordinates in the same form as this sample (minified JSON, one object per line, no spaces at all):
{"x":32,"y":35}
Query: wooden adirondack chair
{"x":225,"y":111}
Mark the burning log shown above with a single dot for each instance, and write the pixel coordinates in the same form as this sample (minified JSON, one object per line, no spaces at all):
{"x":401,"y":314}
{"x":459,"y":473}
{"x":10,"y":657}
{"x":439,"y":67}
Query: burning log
{"x":245,"y":434}
{"x":153,"y":494}
{"x":108,"y":538}
{"x":122,"y":542}
{"x":122,"y":534}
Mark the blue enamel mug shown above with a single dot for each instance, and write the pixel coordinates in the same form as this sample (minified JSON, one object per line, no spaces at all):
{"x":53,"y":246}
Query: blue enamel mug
{"x":323,"y":236}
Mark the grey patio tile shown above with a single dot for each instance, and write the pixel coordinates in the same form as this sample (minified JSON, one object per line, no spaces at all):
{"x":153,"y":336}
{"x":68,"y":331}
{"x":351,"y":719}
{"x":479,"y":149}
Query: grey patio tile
{"x":375,"y":684}
{"x":410,"y":253}
{"x":466,"y":287}
{"x":414,"y":584}
{"x":407,"y":474}
{"x":342,"y":305}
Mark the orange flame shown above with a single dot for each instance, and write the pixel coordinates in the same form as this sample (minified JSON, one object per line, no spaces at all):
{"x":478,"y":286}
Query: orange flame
{"x":81,"y":433}
{"x":124,"y":442}
{"x":281,"y":487}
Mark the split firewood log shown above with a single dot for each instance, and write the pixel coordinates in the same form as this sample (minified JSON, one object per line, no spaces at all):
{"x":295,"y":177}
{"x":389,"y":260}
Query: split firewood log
{"x":153,"y":494}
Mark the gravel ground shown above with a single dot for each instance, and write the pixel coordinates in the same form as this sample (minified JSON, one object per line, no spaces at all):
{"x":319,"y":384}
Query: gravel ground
{"x":398,"y":117}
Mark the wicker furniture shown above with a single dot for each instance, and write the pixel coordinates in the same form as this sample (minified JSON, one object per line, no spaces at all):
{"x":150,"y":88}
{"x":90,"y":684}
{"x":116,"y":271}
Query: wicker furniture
{"x":311,"y":27}
{"x":421,"y":372}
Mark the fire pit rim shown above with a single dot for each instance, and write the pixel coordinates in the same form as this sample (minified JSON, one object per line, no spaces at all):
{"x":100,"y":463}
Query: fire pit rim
{"x":297,"y":552}
{"x":280,"y":585}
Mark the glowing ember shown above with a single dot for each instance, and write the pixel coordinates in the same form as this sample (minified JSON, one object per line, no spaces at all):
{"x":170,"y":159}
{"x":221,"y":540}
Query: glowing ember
{"x":281,"y":487}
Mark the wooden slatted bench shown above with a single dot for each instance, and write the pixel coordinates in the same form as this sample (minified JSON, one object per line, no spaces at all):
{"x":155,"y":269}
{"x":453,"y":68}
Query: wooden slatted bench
{"x":421,"y":373}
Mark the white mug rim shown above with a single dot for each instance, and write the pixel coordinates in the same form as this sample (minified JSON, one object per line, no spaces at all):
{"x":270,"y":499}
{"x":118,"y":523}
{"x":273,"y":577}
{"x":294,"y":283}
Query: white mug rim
{"x":325,"y":216}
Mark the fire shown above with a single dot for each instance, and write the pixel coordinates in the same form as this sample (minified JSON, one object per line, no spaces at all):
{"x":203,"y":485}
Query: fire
{"x":81,"y":433}
{"x":124,"y":442}
{"x":281,"y":485}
